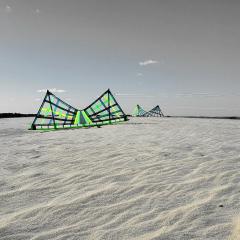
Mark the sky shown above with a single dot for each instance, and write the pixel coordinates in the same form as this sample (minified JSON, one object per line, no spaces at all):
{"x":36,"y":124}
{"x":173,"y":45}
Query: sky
{"x":183,"y":55}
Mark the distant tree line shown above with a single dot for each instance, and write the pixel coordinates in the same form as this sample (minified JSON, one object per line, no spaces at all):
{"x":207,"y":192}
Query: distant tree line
{"x":18,"y":115}
{"x":15,"y":115}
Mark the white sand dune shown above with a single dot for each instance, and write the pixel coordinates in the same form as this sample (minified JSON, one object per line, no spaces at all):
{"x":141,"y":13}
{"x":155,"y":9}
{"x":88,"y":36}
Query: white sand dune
{"x":167,"y":179}
{"x":236,"y":231}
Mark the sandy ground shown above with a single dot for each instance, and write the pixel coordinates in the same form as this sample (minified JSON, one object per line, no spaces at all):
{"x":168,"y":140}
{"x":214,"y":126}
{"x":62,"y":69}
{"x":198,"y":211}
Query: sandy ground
{"x":167,"y":179}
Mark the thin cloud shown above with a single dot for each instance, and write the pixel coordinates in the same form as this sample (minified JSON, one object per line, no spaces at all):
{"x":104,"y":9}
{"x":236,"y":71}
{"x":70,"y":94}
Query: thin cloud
{"x":52,"y":90}
{"x":207,"y":108}
{"x":37,"y":11}
{"x":133,"y":95}
{"x":8,"y":9}
{"x":198,"y":95}
{"x":148,"y":62}
{"x":139,"y":74}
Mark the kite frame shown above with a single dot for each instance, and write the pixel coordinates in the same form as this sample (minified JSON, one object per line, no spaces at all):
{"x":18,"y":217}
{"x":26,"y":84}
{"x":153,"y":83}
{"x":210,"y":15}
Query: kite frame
{"x":72,"y":112}
{"x":154,"y":112}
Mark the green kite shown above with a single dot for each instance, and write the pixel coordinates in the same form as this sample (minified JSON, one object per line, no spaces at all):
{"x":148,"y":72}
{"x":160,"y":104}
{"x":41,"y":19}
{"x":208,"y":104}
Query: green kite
{"x":55,"y":114}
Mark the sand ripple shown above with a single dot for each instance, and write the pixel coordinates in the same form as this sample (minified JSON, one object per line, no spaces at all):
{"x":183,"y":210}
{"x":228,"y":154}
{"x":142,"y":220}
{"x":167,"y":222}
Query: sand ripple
{"x":167,"y":179}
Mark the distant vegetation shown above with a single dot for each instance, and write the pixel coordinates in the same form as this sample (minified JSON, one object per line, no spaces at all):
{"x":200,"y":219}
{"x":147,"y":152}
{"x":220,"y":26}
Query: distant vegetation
{"x":15,"y":115}
{"x":203,"y":117}
{"x":206,"y":117}
{"x":18,"y":115}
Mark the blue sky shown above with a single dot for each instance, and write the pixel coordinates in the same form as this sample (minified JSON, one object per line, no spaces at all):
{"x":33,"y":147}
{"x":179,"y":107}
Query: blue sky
{"x":183,"y":55}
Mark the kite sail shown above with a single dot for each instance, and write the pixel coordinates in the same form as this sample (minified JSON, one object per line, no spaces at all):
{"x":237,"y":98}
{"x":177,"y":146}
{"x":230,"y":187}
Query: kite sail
{"x":155,"y":112}
{"x":139,"y":111}
{"x":105,"y":109}
{"x":57,"y":114}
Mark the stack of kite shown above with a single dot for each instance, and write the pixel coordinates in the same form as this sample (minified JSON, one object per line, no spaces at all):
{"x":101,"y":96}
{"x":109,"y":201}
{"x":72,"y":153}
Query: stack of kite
{"x":140,"y":112}
{"x":57,"y":114}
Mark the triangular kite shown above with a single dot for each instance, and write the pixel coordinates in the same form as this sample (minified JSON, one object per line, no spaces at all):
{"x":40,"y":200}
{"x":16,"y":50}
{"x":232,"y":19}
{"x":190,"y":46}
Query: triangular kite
{"x":56,"y":114}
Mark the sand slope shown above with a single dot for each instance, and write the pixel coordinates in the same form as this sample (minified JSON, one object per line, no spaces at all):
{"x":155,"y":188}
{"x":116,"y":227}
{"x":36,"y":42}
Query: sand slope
{"x":147,"y":179}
